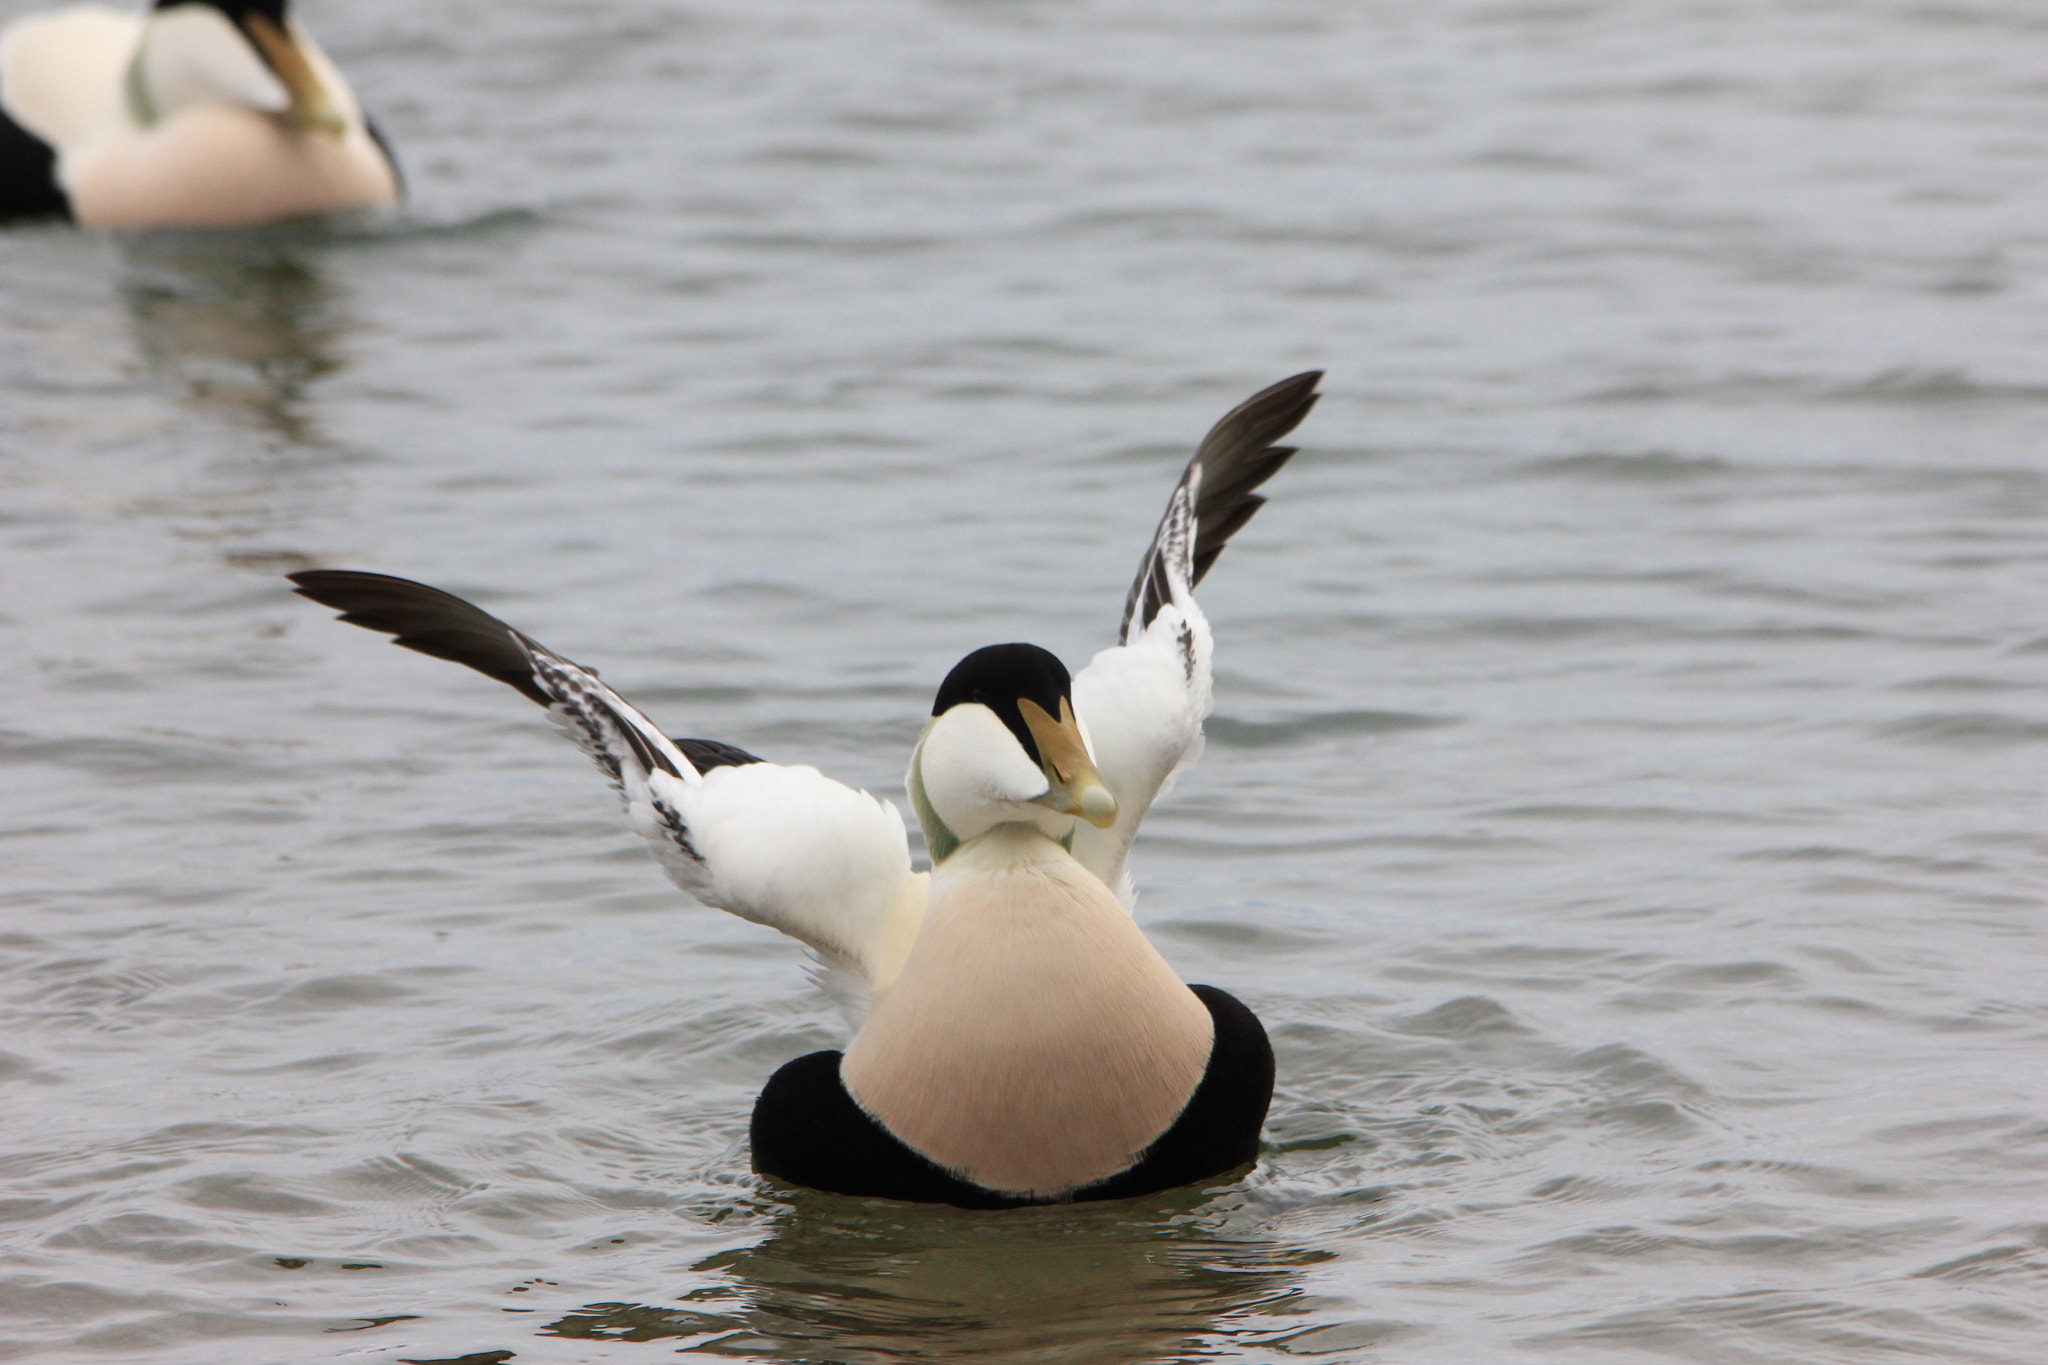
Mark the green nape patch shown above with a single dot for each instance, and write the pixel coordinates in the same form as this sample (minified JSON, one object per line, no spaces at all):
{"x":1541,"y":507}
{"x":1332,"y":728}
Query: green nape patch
{"x":939,"y":839}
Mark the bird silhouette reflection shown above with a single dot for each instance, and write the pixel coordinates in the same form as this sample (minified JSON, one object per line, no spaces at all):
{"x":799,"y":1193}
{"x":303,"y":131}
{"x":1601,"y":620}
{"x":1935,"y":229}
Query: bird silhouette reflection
{"x":243,"y":321}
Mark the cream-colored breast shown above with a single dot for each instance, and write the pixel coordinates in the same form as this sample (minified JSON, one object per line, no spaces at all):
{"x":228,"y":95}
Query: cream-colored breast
{"x":1034,"y":1042}
{"x":221,"y":166}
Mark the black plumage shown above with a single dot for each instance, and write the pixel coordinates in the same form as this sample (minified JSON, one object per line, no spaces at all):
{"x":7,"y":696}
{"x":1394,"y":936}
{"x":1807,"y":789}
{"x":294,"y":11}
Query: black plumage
{"x":428,"y":620}
{"x":1235,"y":458}
{"x":28,"y":175}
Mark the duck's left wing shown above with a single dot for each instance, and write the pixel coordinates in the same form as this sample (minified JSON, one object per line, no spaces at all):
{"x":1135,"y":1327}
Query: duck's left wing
{"x":782,"y":846}
{"x":1143,"y":702}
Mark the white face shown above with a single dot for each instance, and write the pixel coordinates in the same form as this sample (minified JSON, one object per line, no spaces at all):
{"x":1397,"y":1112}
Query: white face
{"x":193,"y":55}
{"x":977,"y":776}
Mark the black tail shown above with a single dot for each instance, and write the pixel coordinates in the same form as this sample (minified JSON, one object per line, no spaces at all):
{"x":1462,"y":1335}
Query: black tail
{"x":28,"y":175}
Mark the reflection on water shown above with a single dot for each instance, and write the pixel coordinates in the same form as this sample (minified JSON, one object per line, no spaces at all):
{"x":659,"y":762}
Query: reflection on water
{"x":244,"y":321}
{"x":857,"y":1281}
{"x":1624,"y":806}
{"x":239,"y":329}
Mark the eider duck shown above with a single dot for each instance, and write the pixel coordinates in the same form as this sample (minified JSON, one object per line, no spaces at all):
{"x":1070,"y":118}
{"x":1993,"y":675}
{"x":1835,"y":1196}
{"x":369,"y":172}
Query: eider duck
{"x":1023,"y":1042}
{"x":203,"y":113}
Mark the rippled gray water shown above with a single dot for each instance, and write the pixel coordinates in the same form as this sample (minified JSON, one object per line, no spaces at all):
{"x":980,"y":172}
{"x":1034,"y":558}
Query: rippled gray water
{"x":1625,"y":801}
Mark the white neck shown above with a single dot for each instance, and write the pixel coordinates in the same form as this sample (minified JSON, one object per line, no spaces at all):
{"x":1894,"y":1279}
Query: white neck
{"x":1034,"y":1042}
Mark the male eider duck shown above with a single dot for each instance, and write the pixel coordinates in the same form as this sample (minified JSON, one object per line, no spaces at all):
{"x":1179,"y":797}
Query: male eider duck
{"x":1023,"y":1042}
{"x":203,"y":113}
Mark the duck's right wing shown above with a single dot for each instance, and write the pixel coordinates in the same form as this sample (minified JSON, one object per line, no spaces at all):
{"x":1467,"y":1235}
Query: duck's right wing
{"x":1143,"y":701}
{"x":782,"y":846}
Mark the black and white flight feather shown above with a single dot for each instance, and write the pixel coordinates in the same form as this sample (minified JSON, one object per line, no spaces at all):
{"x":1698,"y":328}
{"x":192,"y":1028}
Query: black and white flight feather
{"x":782,"y":846}
{"x":1218,"y":488}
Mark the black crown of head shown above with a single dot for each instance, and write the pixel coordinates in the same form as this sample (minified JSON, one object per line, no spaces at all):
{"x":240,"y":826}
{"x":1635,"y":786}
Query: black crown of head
{"x":999,"y":676}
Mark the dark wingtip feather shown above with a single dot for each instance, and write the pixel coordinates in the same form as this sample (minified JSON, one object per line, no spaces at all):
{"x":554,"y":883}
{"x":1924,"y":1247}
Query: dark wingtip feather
{"x":425,"y":619}
{"x":1235,"y":458}
{"x":706,"y":754}
{"x":1238,"y":455}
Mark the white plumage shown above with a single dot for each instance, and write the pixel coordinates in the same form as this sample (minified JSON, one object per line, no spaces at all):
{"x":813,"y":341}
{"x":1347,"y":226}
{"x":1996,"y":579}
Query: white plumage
{"x":1143,"y":701}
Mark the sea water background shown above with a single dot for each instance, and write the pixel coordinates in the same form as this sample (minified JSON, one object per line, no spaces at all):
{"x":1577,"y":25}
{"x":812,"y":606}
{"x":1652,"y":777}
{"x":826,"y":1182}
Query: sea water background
{"x":1625,"y":797}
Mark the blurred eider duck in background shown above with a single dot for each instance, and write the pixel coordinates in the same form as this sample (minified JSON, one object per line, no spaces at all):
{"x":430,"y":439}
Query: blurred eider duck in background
{"x":219,"y":113}
{"x":1023,"y":1043}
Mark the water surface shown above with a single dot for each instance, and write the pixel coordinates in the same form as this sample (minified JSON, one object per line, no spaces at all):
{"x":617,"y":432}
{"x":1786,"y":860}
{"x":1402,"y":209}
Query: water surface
{"x":1625,"y":798}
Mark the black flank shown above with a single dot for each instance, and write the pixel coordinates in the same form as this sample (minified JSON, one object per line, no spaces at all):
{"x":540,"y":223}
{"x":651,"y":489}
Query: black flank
{"x":808,"y":1131}
{"x":28,"y":175}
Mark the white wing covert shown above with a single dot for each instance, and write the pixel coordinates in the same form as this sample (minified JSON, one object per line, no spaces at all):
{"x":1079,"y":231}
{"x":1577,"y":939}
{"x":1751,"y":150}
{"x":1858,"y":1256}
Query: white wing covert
{"x":1142,"y":702}
{"x":786,"y":847}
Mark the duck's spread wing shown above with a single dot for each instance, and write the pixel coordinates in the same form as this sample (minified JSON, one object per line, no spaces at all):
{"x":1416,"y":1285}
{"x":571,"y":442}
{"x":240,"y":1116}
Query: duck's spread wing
{"x":1143,"y":702}
{"x":782,"y":846}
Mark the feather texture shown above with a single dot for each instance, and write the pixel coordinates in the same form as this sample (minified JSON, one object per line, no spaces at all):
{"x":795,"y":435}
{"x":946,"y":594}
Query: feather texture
{"x":1144,"y":700}
{"x":1235,"y":457}
{"x":786,"y":847}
